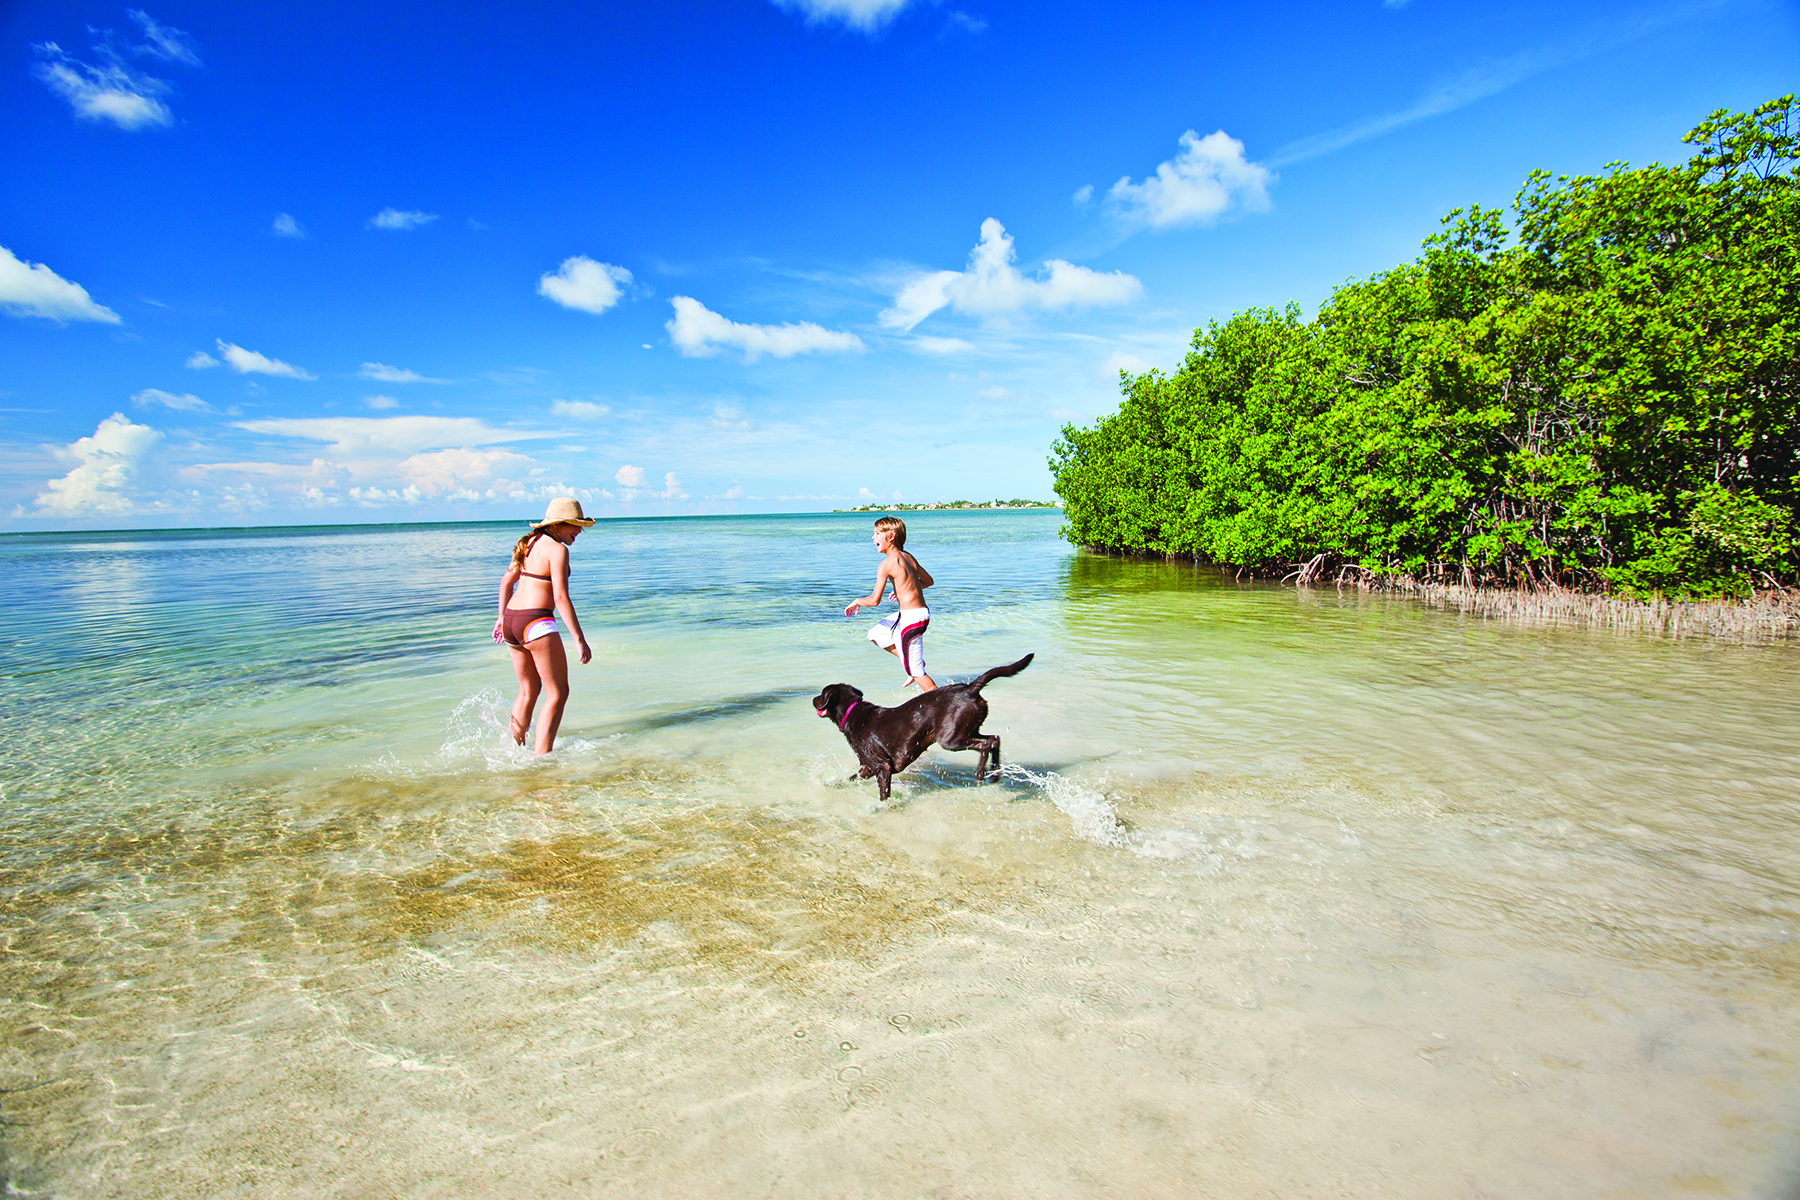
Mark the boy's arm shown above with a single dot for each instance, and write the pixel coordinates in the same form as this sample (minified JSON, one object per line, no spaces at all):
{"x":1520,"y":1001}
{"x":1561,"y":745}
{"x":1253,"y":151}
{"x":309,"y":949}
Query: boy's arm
{"x":874,"y":597}
{"x":925,"y":579}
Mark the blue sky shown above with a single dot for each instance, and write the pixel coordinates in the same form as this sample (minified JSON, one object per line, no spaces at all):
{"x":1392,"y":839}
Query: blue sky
{"x":335,"y":262}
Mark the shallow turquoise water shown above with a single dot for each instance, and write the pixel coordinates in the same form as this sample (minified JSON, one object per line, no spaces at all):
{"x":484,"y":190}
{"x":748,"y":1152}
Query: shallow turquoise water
{"x":1296,"y":892}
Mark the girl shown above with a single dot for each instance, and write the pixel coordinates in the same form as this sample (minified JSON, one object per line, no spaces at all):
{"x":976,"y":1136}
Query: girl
{"x":534,"y":589}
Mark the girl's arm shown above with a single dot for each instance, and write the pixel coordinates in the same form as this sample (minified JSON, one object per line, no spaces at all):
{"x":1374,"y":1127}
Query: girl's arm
{"x":559,"y":586}
{"x":506,"y":589}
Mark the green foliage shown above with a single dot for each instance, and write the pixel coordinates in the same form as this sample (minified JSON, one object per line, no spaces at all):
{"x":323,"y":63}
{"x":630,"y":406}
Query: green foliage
{"x":1604,"y":392}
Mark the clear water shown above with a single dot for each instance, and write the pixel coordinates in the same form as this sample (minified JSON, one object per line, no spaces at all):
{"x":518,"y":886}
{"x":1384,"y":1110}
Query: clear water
{"x":1282,"y":894}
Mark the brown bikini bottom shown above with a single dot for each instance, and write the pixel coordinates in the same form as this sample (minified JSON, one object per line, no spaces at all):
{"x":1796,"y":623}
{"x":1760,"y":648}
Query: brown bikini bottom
{"x":513,"y":627}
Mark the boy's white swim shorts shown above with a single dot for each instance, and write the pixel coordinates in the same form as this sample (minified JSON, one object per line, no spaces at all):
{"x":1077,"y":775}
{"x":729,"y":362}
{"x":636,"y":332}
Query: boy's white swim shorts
{"x":906,"y":631}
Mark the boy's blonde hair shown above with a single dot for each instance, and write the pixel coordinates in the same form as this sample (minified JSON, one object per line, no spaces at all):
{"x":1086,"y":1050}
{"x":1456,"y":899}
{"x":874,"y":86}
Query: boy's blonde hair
{"x":894,"y":525}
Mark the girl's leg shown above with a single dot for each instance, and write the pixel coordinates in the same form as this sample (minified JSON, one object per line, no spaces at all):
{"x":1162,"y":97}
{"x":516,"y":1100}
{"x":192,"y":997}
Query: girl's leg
{"x":552,"y":667}
{"x":529,"y":686}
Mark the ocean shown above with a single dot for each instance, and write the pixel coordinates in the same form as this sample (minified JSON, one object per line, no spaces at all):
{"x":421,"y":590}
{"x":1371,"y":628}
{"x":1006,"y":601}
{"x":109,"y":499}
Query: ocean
{"x":1281,"y":892}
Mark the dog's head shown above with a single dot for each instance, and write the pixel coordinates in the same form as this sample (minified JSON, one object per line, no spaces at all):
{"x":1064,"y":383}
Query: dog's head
{"x":835,"y":700}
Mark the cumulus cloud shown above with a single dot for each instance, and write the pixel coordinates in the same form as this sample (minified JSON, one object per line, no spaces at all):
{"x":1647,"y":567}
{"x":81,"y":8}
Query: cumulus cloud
{"x":1122,"y":360}
{"x":1208,"y":177}
{"x":996,"y":392}
{"x":992,"y":287}
{"x":867,"y":16}
{"x":380,"y":402}
{"x":1084,"y":196}
{"x":579,"y":410}
{"x":200,"y":360}
{"x":105,"y":465}
{"x":442,"y":471}
{"x":34,"y":290}
{"x":631,"y":480}
{"x":285,"y":226}
{"x":698,"y":332}
{"x":393,"y":218}
{"x":249,"y":362}
{"x":186,"y":402}
{"x":734,"y":492}
{"x":584,"y":284}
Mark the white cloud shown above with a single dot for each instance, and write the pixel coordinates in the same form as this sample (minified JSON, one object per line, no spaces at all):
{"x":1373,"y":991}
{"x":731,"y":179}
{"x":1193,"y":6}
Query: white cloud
{"x":697,"y":332}
{"x":1121,"y":360}
{"x":249,"y":362}
{"x":393,"y":218}
{"x":105,"y":465}
{"x":585,"y":284}
{"x":579,"y":410}
{"x":942,"y":345}
{"x":114,"y":90}
{"x":1196,"y":187}
{"x":994,"y":393}
{"x":382,"y":373}
{"x":186,"y":402}
{"x":380,"y":402}
{"x":307,"y":482}
{"x":734,"y":492}
{"x":365,"y":437}
{"x":166,"y":42}
{"x":631,"y":479}
{"x":34,"y":290}
{"x":865,"y":15}
{"x":200,"y":360}
{"x":1084,"y":196}
{"x":992,"y":286}
{"x":110,"y":92}
{"x":447,"y":470}
{"x":285,"y":226}
{"x":729,"y":417}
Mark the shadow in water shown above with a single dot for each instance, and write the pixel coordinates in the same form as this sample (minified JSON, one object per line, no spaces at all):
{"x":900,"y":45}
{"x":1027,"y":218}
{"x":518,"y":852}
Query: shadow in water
{"x":735,"y":706}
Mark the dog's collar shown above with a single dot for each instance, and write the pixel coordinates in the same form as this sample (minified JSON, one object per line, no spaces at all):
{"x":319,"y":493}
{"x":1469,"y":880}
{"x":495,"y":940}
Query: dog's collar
{"x":847,"y":713}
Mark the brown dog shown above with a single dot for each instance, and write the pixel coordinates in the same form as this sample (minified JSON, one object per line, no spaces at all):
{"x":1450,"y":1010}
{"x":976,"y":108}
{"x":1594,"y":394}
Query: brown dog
{"x":887,"y":740}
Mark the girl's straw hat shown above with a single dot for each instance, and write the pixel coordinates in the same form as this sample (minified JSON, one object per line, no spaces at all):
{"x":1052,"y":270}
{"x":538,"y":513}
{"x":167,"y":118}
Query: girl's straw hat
{"x":564,"y":510}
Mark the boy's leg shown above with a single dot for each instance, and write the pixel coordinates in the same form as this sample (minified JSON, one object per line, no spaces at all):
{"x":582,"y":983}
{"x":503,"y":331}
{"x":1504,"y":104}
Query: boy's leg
{"x":912,"y":657}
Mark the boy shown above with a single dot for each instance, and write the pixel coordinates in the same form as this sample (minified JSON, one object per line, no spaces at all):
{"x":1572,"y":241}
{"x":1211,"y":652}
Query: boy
{"x":903,"y":634}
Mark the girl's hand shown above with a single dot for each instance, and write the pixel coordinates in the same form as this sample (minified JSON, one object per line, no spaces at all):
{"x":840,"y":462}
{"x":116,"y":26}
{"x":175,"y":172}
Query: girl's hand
{"x":499,"y":623}
{"x":586,"y":653}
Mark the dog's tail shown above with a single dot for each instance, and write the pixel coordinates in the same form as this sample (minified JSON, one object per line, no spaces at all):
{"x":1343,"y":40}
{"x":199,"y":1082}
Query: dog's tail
{"x":988,"y":676}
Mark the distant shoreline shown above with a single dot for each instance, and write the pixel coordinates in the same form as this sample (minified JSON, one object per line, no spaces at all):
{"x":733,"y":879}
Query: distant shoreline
{"x":941,"y":505}
{"x":497,"y":522}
